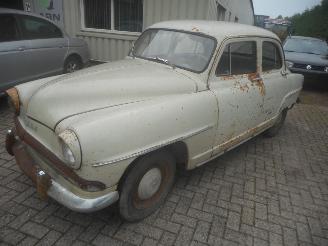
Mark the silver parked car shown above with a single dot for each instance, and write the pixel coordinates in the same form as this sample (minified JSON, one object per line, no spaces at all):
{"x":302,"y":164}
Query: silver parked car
{"x":32,"y":47}
{"x":308,"y":56}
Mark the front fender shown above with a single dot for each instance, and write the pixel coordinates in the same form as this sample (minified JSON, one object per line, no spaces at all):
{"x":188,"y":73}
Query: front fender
{"x":112,"y":138}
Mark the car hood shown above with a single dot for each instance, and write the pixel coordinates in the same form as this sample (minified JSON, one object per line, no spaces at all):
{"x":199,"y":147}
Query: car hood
{"x":303,"y":58}
{"x":108,"y":85}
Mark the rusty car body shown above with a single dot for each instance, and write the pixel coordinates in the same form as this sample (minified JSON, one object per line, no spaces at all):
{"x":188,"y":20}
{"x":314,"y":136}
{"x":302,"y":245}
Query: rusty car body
{"x":188,"y":92}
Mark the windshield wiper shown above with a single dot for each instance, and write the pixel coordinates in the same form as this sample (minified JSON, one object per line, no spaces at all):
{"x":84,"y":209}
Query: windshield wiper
{"x":311,"y":53}
{"x":161,"y":60}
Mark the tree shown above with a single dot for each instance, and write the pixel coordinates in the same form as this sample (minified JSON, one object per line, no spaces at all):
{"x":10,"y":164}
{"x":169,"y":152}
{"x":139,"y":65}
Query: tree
{"x":312,"y":22}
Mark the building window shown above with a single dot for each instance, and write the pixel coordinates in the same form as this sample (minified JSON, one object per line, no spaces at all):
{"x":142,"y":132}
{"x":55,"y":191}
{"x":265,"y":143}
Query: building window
{"x":119,"y":15}
{"x":221,"y":12}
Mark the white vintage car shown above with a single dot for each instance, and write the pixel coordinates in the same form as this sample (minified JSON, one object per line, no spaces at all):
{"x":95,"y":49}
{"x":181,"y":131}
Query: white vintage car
{"x":188,"y":92}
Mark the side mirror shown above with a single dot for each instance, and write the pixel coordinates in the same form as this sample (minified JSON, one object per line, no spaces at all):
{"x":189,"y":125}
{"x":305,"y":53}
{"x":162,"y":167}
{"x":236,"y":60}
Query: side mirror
{"x":284,"y":73}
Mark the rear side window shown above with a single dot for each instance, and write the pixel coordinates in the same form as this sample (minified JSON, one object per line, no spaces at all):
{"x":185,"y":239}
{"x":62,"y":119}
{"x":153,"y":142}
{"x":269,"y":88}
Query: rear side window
{"x":8,"y":28}
{"x":238,"y":58}
{"x":36,"y":28}
{"x":271,"y":57}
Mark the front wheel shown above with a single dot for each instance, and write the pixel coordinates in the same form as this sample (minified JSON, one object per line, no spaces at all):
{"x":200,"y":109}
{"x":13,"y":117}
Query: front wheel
{"x":274,"y":130}
{"x":146,"y":185}
{"x":72,"y":64}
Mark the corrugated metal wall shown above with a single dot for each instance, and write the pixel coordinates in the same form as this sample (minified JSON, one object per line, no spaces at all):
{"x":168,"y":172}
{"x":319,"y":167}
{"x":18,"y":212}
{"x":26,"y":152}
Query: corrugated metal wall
{"x":108,"y":46}
{"x":162,"y":10}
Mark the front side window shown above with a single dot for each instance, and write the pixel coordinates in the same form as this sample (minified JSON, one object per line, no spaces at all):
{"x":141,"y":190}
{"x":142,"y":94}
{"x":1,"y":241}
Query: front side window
{"x":238,"y":58}
{"x":271,"y":58}
{"x":120,"y":15}
{"x":184,"y":50}
{"x":8,"y":28}
{"x":36,"y":28}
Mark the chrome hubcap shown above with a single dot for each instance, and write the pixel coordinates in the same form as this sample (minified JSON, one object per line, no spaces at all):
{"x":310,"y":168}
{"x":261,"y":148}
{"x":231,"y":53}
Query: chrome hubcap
{"x":149,"y":184}
{"x":71,"y":67}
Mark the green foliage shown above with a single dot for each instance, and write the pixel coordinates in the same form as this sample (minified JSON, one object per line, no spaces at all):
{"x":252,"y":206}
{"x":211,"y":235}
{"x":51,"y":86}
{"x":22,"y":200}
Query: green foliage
{"x":313,"y":22}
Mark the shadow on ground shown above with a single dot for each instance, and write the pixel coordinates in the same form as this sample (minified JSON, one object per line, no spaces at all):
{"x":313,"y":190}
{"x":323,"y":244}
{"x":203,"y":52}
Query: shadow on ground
{"x":315,"y":91}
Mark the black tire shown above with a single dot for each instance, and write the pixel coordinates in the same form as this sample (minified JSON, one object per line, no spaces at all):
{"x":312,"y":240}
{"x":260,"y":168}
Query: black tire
{"x":132,"y":207}
{"x":274,"y":130}
{"x":3,"y":100}
{"x":72,"y":64}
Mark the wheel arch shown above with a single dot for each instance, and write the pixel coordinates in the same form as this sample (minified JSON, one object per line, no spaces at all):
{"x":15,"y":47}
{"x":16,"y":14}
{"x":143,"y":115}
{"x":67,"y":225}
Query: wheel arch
{"x":178,"y":150}
{"x":74,"y":55}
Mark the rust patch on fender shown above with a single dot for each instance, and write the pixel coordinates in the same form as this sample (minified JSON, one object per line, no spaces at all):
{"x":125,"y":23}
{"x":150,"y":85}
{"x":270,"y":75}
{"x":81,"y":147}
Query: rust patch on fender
{"x":228,"y":77}
{"x":233,"y":142}
{"x":195,"y":29}
{"x":257,"y":81}
{"x":240,"y":86}
{"x":68,"y":137}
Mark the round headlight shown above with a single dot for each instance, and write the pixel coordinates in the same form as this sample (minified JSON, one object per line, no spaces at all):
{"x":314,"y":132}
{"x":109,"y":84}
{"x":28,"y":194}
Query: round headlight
{"x":289,"y":64}
{"x":14,"y":99}
{"x":68,"y":154}
{"x":71,"y":151}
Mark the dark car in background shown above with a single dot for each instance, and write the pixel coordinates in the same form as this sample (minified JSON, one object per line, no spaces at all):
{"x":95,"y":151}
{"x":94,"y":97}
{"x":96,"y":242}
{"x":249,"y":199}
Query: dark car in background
{"x":33,"y":47}
{"x":305,"y":55}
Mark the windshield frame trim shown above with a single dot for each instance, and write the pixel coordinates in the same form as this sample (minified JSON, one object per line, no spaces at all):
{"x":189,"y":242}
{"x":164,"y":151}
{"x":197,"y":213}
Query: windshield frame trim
{"x":187,"y":32}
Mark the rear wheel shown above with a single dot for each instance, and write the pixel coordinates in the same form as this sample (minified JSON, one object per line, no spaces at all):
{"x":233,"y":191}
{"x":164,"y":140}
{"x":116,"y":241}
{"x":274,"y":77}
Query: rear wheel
{"x":72,"y":64}
{"x":274,"y":130}
{"x":146,"y":185}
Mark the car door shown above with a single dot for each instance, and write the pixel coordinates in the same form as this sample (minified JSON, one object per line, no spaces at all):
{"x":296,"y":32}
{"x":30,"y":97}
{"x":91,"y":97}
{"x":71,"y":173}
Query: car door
{"x":274,"y":77}
{"x":239,"y":92}
{"x":12,"y":53}
{"x":47,"y":46}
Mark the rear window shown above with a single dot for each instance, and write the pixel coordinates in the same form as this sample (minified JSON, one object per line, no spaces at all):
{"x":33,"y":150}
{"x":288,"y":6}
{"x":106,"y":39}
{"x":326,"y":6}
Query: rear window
{"x":8,"y":28}
{"x":238,"y":58}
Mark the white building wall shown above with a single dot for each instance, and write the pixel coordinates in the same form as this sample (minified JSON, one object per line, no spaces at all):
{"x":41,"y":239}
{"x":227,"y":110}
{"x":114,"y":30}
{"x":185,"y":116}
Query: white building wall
{"x":113,"y":45}
{"x":242,"y":9}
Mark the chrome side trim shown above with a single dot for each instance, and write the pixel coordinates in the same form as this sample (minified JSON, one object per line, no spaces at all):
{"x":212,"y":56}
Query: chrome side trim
{"x":242,"y":138}
{"x":79,"y":204}
{"x":148,"y":150}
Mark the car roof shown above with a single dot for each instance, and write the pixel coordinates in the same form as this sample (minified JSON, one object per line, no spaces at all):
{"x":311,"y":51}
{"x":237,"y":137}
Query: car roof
{"x":306,"y":38}
{"x":16,"y":11}
{"x":217,"y":29}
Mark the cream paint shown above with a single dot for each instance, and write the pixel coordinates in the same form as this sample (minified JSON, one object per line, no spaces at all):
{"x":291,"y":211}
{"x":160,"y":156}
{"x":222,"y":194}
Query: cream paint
{"x":129,"y":108}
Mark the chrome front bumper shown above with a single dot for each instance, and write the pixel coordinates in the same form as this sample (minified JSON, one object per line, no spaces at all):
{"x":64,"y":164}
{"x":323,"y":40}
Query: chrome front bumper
{"x":79,"y":204}
{"x":46,"y":186}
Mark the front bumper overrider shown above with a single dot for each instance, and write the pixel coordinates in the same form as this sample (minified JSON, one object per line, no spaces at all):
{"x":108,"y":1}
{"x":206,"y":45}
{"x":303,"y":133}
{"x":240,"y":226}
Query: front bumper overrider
{"x":47,"y":186}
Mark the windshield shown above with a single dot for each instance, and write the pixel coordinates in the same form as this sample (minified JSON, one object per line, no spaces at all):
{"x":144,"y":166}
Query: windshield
{"x":184,"y":50}
{"x":306,"y":46}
